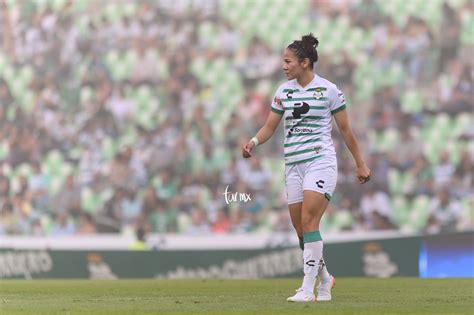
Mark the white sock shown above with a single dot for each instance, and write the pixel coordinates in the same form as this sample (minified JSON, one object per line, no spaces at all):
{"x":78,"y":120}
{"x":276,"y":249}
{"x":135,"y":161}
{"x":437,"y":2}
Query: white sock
{"x":312,"y":254}
{"x":323,"y":273}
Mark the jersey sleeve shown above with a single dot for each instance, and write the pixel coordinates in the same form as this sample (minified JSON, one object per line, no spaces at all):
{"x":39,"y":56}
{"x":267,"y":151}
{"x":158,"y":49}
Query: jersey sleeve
{"x":337,"y":101}
{"x":277,"y":106}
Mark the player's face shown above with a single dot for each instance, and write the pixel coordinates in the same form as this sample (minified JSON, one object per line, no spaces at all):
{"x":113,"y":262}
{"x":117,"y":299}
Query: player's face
{"x":291,"y":65}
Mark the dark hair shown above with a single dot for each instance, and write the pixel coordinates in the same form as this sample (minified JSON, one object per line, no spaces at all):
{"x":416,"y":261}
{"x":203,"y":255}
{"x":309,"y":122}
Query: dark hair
{"x":306,"y":48}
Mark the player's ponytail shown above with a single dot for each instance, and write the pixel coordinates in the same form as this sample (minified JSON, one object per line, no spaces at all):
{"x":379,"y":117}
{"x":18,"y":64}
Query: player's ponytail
{"x":306,"y":48}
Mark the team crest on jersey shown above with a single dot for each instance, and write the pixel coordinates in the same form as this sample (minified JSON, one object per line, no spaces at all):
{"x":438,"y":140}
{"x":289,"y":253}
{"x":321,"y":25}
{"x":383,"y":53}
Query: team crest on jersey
{"x":318,"y":93}
{"x":277,"y":100}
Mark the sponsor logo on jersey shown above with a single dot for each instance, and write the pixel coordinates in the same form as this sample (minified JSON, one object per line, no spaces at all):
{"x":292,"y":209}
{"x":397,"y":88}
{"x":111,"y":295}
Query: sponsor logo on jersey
{"x":299,"y":129}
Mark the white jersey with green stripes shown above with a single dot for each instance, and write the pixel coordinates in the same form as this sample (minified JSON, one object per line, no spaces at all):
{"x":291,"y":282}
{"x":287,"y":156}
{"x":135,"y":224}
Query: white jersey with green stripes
{"x":307,"y":114}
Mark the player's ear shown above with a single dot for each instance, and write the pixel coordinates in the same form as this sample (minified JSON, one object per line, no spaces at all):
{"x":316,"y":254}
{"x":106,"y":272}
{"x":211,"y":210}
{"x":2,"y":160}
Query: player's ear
{"x":305,"y":62}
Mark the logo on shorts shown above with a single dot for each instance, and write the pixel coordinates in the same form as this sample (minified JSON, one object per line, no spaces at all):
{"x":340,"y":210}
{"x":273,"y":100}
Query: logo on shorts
{"x":320,"y":183}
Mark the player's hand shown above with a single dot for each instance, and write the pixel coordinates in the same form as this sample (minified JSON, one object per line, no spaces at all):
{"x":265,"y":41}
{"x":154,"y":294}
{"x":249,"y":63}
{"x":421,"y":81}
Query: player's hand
{"x":363,"y":174}
{"x":246,"y":149}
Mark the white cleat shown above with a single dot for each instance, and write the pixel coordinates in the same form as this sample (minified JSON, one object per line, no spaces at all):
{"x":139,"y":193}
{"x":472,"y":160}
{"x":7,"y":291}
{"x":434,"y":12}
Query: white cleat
{"x":324,"y":290}
{"x":302,"y":296}
{"x":318,"y":283}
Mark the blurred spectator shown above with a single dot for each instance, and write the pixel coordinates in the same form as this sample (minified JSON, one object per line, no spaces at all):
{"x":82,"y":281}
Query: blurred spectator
{"x":63,"y":225}
{"x":444,"y":171}
{"x":163,"y":218}
{"x":140,"y":239}
{"x":199,"y":224}
{"x":376,"y":209}
{"x":68,"y":199}
{"x":463,"y":179}
{"x":423,"y":173}
{"x":222,"y":223}
{"x":8,"y":220}
{"x":109,"y":220}
{"x":449,"y":41}
{"x":445,"y":213}
{"x":86,"y":224}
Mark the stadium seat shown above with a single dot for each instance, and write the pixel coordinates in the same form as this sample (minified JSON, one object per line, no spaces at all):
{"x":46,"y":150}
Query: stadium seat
{"x":419,"y":213}
{"x":92,"y":201}
{"x":411,"y":102}
{"x":401,"y":209}
{"x":467,"y":30}
{"x":400,"y":182}
{"x":4,"y":149}
{"x":461,"y":124}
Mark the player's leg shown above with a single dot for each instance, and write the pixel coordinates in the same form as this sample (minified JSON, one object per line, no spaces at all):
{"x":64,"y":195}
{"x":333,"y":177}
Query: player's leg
{"x":295,"y":216}
{"x":314,"y":205}
{"x":319,"y":183}
{"x":294,"y":190}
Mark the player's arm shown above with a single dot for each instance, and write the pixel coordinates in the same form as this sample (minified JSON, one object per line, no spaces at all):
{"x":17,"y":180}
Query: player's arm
{"x":342,"y":121}
{"x":263,"y":134}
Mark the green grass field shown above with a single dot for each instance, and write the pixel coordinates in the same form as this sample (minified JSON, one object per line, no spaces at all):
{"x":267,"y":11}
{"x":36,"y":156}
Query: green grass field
{"x":350,"y":296}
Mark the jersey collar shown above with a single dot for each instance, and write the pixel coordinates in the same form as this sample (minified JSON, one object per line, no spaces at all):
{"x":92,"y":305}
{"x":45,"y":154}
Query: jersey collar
{"x":299,"y":87}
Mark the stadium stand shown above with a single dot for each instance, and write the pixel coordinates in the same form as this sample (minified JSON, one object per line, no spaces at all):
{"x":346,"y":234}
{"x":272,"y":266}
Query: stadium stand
{"x":130,"y":114}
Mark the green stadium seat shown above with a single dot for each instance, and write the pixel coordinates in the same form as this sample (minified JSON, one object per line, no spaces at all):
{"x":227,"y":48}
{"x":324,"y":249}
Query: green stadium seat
{"x":460,"y":124}
{"x":467,"y":30}
{"x":183,"y":222}
{"x":79,"y":6}
{"x":400,"y":182}
{"x":412,"y":102}
{"x":431,"y":152}
{"x":92,"y":201}
{"x":4,"y":149}
{"x":46,"y":223}
{"x":55,"y":183}
{"x":112,"y":12}
{"x":24,"y":169}
{"x":401,"y":210}
{"x":467,"y":206}
{"x":128,"y":8}
{"x":419,"y":213}
{"x":342,"y":219}
{"x":390,"y":139}
{"x":57,"y":5}
{"x":11,"y":3}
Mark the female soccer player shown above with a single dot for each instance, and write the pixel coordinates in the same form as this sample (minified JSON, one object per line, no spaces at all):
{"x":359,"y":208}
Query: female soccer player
{"x":307,"y":102}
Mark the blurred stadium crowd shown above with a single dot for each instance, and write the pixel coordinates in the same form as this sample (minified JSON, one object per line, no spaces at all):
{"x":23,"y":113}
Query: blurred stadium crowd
{"x":117,"y":115}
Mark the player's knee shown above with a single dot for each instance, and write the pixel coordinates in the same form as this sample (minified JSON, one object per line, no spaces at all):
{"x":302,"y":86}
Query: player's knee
{"x":309,"y":224}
